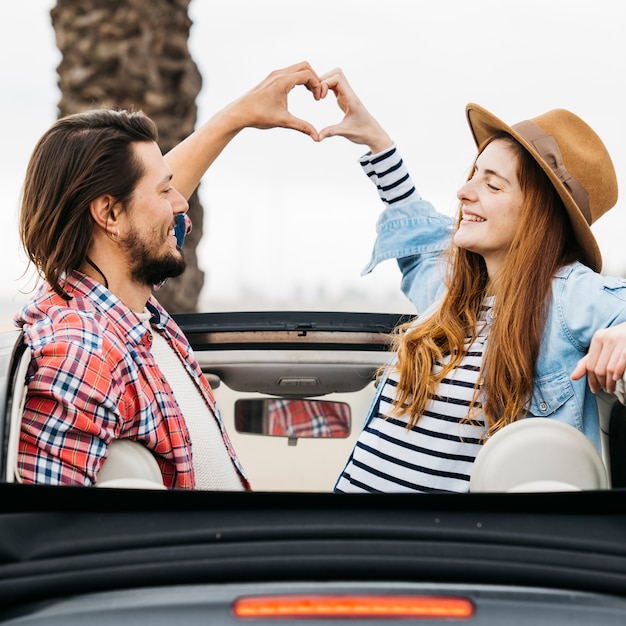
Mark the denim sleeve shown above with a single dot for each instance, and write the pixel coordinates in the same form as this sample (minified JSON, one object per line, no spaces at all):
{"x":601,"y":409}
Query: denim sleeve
{"x":586,"y":301}
{"x":409,"y":230}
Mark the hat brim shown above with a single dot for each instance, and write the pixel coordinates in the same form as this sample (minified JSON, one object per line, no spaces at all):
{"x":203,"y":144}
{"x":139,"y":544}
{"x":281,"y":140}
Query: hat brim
{"x":485,"y":125}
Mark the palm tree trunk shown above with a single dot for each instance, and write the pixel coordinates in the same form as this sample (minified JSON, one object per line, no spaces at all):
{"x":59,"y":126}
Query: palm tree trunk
{"x":134,"y":54}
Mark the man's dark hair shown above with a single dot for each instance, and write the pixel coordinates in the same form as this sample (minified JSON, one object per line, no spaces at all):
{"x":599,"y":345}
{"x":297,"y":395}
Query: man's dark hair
{"x":80,"y":158}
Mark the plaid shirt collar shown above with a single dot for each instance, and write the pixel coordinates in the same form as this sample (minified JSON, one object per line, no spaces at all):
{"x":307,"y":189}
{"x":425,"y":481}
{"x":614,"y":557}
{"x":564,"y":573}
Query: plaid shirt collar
{"x":87,"y":292}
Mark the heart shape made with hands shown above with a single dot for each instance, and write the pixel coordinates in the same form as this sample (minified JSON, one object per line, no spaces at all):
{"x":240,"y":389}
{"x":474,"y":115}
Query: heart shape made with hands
{"x":319,"y":113}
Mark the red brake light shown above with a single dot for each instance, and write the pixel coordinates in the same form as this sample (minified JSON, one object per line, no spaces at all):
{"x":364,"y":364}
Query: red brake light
{"x":351,"y":606}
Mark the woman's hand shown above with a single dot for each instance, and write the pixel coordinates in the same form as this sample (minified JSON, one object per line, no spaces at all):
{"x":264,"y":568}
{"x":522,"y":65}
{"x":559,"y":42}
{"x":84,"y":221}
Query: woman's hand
{"x":605,"y":362}
{"x":358,"y":125}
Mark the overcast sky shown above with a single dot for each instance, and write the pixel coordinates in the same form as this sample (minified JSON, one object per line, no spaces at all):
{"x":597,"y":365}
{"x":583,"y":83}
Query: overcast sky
{"x":290,"y":223}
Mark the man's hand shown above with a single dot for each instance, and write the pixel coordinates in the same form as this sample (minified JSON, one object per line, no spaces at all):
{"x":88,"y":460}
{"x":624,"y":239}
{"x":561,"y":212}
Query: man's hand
{"x":266,"y":105}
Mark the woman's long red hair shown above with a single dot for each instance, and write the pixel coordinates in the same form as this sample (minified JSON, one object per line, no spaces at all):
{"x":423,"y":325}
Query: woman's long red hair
{"x":543,"y":243}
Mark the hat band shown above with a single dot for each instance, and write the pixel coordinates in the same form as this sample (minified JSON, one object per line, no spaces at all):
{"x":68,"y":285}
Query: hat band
{"x":548,"y":149}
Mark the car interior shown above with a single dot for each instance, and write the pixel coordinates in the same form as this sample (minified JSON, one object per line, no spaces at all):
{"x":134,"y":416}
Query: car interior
{"x":254,"y":361}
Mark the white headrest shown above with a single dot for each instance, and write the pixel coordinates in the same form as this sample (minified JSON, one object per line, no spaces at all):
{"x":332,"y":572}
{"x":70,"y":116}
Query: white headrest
{"x":130,"y":465}
{"x":538,"y":454}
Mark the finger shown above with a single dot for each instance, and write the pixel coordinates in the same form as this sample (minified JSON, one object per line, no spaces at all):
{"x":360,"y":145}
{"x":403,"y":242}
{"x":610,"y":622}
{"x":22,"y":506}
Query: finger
{"x":614,"y":370}
{"x":581,"y":368}
{"x":601,"y":371}
{"x":309,"y":79}
{"x":295,"y":123}
{"x":594,"y":383}
{"x":298,"y":74}
{"x":618,"y":366}
{"x":332,"y":83}
{"x":609,"y":385}
{"x":335,"y":75}
{"x":296,"y":67}
{"x":329,"y":131}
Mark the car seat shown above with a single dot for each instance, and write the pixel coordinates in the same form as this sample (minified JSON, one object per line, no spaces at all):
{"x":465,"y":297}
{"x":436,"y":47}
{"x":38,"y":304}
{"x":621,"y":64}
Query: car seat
{"x":538,"y":454}
{"x":16,"y":397}
{"x":129,"y":465}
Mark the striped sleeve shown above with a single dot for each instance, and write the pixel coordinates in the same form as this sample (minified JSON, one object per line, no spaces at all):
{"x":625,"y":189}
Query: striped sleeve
{"x":387,"y":171}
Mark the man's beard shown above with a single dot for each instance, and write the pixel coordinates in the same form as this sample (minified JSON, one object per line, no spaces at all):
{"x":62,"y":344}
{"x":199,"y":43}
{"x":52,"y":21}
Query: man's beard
{"x":149,"y":269}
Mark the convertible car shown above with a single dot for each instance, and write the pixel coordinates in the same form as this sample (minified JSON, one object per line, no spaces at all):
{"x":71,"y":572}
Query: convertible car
{"x":543,"y":541}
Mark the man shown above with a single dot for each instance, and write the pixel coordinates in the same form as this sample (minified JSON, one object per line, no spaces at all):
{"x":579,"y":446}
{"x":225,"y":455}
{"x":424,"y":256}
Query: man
{"x":100,"y":216}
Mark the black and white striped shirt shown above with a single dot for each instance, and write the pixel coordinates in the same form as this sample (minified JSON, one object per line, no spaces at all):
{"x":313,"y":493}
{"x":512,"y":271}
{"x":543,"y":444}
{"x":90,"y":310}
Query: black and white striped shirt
{"x":437,"y":454}
{"x":388,"y":172}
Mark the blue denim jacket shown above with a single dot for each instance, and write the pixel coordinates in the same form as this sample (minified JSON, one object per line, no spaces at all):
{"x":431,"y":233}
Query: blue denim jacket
{"x":415,"y":234}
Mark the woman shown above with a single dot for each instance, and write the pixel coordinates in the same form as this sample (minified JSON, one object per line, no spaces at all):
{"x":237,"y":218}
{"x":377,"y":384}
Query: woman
{"x":509,"y":293}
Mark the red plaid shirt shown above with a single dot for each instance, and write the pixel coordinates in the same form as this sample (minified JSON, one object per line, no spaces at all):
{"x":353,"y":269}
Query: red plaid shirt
{"x":92,"y":379}
{"x":308,"y":418}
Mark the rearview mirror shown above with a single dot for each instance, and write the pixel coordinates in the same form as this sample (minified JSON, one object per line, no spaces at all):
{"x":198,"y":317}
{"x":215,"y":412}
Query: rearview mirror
{"x":293,"y":418}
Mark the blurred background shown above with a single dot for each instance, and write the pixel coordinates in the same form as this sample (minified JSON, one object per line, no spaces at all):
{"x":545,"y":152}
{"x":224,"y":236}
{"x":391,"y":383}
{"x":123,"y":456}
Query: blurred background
{"x":288,"y":223}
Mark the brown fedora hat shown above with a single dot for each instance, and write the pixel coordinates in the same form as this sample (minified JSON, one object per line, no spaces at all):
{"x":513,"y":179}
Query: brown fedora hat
{"x":575,"y":160}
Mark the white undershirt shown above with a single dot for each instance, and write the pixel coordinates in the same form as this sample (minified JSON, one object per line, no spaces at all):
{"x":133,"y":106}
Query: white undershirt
{"x":213,"y":467}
